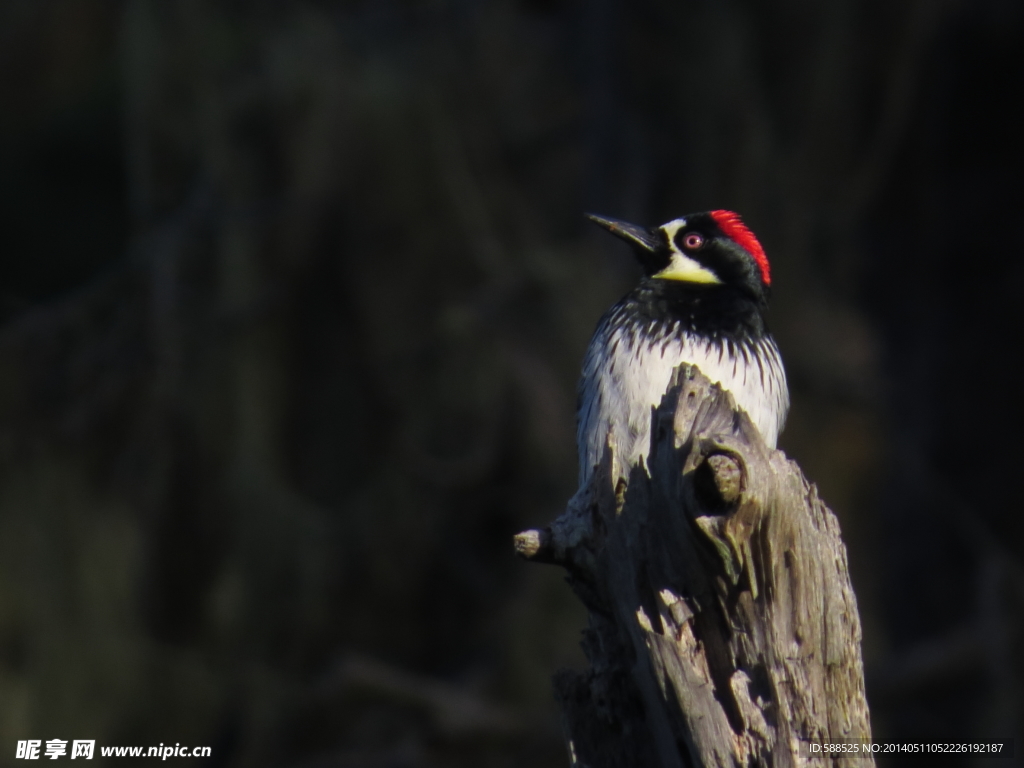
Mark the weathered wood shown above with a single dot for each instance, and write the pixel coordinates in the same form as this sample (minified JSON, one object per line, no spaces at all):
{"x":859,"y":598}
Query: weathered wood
{"x":723,"y":628}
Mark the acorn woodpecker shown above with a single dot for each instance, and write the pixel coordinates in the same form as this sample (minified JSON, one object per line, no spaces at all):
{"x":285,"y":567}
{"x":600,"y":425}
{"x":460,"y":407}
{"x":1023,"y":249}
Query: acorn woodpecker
{"x":702,"y":300}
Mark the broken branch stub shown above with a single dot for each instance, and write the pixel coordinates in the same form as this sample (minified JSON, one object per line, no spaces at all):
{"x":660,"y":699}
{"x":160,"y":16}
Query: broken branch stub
{"x":723,"y":628}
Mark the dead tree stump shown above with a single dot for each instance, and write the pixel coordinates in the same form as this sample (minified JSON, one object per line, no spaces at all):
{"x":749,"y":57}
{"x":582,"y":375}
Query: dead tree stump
{"x":723,"y":628}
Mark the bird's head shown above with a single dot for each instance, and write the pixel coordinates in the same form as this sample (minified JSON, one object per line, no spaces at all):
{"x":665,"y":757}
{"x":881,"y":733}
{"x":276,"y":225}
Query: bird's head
{"x":711,"y":249}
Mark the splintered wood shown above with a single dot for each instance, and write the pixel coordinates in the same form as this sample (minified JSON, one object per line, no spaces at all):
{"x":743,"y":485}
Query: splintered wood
{"x":723,"y":628}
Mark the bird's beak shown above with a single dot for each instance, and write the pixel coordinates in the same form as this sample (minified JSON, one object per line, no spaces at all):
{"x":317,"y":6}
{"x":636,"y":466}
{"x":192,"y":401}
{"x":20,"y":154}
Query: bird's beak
{"x":631,"y":233}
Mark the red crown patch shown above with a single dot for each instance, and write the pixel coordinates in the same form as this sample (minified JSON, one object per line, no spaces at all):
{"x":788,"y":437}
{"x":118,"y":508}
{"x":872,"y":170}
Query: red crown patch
{"x":732,"y":225}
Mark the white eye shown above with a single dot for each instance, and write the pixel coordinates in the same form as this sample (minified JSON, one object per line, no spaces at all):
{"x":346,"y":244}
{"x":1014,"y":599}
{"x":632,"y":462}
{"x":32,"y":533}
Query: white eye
{"x":693,"y":241}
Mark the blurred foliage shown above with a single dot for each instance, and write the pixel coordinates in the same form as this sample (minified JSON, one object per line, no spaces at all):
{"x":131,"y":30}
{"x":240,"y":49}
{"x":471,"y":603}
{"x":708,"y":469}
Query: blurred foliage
{"x":294,"y":298}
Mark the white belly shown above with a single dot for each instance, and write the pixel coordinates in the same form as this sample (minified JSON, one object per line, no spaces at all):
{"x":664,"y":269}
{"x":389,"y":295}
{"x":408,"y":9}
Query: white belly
{"x":622,"y":382}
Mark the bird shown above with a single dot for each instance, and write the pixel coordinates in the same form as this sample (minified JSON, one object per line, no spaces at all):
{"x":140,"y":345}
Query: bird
{"x":703,"y":300}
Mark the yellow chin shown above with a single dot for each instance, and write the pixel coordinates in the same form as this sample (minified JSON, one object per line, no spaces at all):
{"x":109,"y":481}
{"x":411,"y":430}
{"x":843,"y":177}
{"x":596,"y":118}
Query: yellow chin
{"x":686,"y":270}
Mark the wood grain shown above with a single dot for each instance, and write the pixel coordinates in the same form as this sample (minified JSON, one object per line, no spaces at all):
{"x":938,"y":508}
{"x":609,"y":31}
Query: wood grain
{"x":723,"y":629}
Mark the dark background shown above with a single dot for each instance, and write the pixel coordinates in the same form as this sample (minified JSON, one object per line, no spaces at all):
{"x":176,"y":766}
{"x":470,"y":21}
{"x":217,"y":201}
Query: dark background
{"x":293,"y":300}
